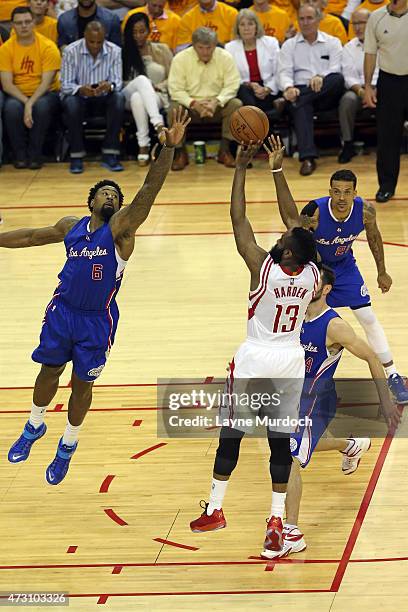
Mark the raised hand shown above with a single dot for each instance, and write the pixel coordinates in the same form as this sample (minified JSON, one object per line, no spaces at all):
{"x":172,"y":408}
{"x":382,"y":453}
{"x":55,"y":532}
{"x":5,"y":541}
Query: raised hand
{"x":275,"y":152}
{"x":174,"y":136}
{"x":246,"y":152}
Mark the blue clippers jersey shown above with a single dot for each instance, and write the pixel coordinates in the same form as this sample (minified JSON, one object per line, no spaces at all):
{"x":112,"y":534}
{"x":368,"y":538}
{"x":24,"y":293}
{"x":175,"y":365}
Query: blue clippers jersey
{"x":319,"y":364}
{"x":93,"y":271}
{"x":334,"y":239}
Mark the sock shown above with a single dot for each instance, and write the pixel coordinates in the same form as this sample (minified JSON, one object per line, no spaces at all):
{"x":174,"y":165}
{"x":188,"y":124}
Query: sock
{"x":70,"y":434}
{"x":278,"y":504}
{"x":390,"y":370}
{"x":288,"y":526}
{"x":37,"y":415}
{"x":218,"y":490}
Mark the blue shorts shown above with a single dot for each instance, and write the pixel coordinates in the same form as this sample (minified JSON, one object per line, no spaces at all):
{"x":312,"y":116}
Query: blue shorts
{"x":349,"y":288}
{"x":321,"y":411}
{"x":81,"y":336}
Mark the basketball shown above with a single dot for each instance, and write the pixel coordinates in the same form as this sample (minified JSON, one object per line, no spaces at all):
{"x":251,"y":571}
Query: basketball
{"x":249,"y":123}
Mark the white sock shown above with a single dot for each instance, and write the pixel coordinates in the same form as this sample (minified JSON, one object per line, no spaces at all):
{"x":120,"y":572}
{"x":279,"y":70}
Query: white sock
{"x":71,"y":434}
{"x":288,"y":526}
{"x":37,"y":415}
{"x":278,"y":504}
{"x":218,"y":490}
{"x":390,"y":370}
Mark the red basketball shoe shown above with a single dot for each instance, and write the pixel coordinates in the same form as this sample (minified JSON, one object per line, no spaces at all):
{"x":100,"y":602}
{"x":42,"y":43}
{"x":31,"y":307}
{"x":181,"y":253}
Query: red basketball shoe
{"x":274,"y":537}
{"x":208,"y":522}
{"x":293,"y":542}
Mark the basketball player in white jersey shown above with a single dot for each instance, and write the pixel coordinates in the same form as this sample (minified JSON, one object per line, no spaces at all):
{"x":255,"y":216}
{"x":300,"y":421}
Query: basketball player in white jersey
{"x":283,"y":282}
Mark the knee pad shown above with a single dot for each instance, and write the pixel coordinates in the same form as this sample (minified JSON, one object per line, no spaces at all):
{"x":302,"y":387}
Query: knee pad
{"x":227,"y":455}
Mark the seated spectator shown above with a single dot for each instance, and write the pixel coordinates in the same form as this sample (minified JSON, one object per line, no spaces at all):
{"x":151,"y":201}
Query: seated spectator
{"x":205,"y":80}
{"x":146,"y":66}
{"x":164,"y":23}
{"x":71,"y":24}
{"x":62,"y":6}
{"x":256,"y":57}
{"x":275,"y":22}
{"x":353,"y":71}
{"x":309,"y":74}
{"x":329,"y":24}
{"x":289,"y":6}
{"x":47,"y":26}
{"x":209,"y":14}
{"x":370,"y":5}
{"x":7,"y":7}
{"x":28,"y":67}
{"x":91,"y":80}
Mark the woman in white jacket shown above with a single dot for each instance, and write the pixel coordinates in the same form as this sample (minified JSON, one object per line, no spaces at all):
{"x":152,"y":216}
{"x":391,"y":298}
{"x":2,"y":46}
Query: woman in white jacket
{"x":256,"y":57}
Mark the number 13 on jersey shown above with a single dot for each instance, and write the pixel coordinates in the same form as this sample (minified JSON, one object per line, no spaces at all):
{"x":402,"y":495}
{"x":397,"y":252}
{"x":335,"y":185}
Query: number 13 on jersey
{"x":285,"y":318}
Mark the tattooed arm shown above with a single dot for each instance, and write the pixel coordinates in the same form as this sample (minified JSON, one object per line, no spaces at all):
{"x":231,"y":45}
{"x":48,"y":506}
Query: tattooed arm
{"x":375,"y":243}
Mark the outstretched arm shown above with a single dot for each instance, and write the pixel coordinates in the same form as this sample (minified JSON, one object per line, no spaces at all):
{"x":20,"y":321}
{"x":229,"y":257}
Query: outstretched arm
{"x":375,"y":243}
{"x":125,"y":222}
{"x":28,"y":237}
{"x":252,"y":254}
{"x":287,"y":207}
{"x":341,"y":333}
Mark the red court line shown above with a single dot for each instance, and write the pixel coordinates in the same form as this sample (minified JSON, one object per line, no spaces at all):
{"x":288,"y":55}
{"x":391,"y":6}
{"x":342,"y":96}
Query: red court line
{"x":253,"y":561}
{"x":106,"y":483}
{"x":58,"y":407}
{"x":115,"y":517}
{"x":72,"y":549}
{"x":148,"y":450}
{"x":103,"y":598}
{"x":117,"y":569}
{"x":170,"y":543}
{"x":213,"y":203}
{"x":138,"y":422}
{"x":361,"y":514}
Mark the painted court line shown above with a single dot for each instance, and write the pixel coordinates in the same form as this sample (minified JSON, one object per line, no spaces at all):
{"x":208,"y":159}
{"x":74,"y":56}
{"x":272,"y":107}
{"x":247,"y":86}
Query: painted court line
{"x":115,"y":517}
{"x":106,"y":484}
{"x":176,"y":544}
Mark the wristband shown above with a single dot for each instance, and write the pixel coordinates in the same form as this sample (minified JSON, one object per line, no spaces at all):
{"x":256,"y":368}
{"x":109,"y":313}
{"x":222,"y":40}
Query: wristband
{"x":277,"y":170}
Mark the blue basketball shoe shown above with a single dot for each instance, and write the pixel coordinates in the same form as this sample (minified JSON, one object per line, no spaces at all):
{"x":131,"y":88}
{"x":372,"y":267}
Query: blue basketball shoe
{"x":398,"y":388}
{"x":58,"y":468}
{"x":21,"y":448}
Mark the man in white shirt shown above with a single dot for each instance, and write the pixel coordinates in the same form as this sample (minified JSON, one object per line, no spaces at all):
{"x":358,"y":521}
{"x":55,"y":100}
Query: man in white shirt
{"x":309,"y":74}
{"x":353,"y":71}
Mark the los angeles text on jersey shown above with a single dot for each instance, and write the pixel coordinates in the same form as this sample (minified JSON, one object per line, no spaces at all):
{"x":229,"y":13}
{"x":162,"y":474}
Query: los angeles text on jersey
{"x":89,"y":253}
{"x":217,"y":421}
{"x":337,"y":240}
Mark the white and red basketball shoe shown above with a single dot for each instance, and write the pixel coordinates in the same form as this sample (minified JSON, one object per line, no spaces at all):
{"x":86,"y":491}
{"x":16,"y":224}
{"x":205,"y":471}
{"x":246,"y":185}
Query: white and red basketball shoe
{"x":293,"y":542}
{"x":273,"y":543}
{"x":353,"y":453}
{"x":208,"y":522}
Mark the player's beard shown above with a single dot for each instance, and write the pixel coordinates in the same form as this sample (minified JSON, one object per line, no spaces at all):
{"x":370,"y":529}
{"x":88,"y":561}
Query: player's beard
{"x":107,"y":211}
{"x":276,"y":253}
{"x":317,"y":296}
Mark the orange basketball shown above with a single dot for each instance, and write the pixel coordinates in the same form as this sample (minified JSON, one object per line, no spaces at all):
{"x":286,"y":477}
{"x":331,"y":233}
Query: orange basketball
{"x":249,"y":123}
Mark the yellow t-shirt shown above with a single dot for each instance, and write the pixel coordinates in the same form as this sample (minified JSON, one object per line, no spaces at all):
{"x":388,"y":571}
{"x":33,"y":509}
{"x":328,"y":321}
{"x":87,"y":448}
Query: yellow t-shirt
{"x":7,"y":7}
{"x":221,"y":20}
{"x":287,"y":6}
{"x":275,"y":22}
{"x":335,"y":6}
{"x":161,"y":30}
{"x":333,"y":26}
{"x":27,"y":64}
{"x":370,"y":6}
{"x":180,"y":6}
{"x":47,"y":28}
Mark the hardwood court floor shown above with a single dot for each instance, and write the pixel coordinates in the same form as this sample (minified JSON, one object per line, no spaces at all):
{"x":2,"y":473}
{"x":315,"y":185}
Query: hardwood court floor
{"x":99,"y":535}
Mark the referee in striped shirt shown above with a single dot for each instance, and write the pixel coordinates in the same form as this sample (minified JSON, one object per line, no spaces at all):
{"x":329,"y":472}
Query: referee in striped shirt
{"x":91,"y":80}
{"x":387,"y":35}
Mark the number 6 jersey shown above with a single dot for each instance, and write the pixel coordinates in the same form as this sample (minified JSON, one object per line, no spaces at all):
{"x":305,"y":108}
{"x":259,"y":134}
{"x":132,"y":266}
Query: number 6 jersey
{"x":92,"y":274}
{"x":278,"y":305}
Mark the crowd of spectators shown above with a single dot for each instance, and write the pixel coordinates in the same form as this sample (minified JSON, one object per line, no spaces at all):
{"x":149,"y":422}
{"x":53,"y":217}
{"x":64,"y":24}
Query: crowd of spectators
{"x":84,"y":58}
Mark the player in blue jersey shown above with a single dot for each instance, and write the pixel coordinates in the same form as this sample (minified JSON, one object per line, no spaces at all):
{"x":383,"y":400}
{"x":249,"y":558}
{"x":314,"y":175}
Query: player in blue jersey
{"x":336,"y":221}
{"x":324,"y":336}
{"x":80,"y":321}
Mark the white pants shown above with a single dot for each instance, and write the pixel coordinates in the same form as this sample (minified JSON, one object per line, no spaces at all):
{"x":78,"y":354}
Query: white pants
{"x":260,"y":373}
{"x":144,"y":102}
